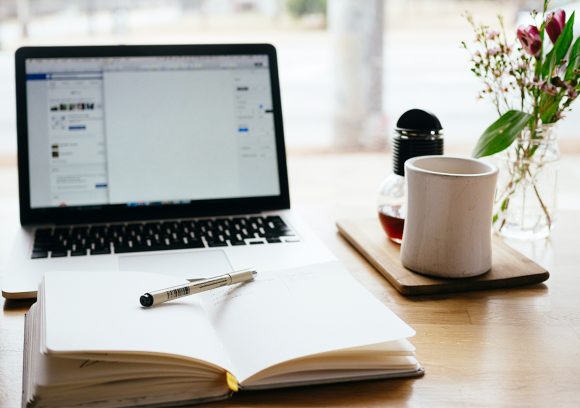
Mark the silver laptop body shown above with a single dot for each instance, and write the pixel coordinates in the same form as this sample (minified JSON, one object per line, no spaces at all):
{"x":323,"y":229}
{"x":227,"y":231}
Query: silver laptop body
{"x":166,"y":159}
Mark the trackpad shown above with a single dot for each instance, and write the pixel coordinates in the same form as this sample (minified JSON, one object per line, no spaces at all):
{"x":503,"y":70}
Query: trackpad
{"x":194,"y":264}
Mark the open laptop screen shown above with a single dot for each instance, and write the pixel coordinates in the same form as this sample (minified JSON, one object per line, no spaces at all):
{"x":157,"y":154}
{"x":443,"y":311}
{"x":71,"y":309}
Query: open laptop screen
{"x":150,"y":130}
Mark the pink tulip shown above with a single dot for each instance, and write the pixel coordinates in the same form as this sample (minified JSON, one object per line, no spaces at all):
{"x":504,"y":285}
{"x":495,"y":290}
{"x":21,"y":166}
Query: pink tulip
{"x":555,"y":22}
{"x":530,"y":38}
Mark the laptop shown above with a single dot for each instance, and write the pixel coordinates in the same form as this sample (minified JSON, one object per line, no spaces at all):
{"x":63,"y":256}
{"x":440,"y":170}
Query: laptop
{"x":167,"y":159}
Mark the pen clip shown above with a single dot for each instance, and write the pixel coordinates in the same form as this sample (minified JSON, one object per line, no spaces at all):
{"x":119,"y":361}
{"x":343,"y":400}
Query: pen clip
{"x":240,"y":270}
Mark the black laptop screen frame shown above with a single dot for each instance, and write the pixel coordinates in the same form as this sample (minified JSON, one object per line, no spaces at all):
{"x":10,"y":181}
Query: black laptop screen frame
{"x":122,"y":212}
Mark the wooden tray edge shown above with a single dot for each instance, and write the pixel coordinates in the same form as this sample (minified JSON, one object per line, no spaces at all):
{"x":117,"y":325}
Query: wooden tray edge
{"x":362,"y":251}
{"x":449,"y":286}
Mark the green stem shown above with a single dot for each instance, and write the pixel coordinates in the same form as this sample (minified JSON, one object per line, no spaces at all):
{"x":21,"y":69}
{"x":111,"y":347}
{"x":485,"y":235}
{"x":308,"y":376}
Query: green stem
{"x":518,"y":172}
{"x":544,"y":208}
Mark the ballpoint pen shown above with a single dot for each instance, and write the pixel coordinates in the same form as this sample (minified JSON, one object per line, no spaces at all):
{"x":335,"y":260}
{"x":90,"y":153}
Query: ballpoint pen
{"x":196,"y":286}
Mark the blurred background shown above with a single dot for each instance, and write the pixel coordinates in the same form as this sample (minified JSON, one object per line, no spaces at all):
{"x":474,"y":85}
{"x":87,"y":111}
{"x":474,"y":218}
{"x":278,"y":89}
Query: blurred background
{"x":348,"y":68}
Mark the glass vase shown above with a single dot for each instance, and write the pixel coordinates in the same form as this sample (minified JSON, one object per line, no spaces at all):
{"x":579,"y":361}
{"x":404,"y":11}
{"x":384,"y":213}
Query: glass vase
{"x":527,"y":192}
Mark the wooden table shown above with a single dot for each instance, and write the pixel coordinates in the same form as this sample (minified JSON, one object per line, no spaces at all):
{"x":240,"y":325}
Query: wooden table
{"x":518,"y":347}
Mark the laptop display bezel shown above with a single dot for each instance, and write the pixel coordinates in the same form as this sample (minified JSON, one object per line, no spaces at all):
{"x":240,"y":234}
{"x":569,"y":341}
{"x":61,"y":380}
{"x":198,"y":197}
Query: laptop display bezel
{"x":122,"y":212}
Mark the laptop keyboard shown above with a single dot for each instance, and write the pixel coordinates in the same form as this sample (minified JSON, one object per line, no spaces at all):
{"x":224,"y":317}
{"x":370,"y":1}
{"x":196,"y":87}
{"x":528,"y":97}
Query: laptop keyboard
{"x":160,"y":236}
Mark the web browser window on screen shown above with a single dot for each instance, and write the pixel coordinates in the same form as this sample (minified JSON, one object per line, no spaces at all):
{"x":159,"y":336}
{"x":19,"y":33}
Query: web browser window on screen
{"x":143,"y":130}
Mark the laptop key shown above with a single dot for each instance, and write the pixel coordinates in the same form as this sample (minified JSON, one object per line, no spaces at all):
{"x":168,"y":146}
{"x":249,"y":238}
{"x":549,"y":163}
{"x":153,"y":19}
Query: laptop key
{"x":58,"y":254}
{"x":55,"y":246}
{"x":194,"y":243}
{"x":217,"y":244}
{"x":40,"y":246}
{"x":78,"y":252}
{"x":273,"y":240}
{"x":39,"y":254}
{"x":123,"y":249}
{"x":100,"y":251}
{"x":176,"y":245}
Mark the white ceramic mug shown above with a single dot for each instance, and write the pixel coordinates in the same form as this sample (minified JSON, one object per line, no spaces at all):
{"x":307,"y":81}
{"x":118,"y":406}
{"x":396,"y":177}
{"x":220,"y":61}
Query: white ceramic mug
{"x":447,"y":229}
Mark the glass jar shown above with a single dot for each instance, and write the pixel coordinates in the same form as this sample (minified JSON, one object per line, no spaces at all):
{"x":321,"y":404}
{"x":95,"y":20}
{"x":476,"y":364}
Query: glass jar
{"x":526,"y":197}
{"x":418,"y":133}
{"x":392,"y":206}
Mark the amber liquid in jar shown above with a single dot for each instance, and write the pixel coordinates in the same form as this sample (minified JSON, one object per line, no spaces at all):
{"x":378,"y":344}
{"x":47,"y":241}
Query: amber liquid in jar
{"x":392,"y":225}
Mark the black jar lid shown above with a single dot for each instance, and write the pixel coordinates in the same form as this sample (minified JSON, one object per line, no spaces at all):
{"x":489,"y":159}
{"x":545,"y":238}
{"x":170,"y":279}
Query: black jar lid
{"x":418,"y":133}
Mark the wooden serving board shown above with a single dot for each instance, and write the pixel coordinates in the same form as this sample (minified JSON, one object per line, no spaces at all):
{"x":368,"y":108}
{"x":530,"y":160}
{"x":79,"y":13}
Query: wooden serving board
{"x":509,"y":267}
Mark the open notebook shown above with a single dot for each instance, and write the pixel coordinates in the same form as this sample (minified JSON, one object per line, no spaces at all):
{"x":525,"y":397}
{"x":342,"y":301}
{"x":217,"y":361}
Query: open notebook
{"x":88,"y":342}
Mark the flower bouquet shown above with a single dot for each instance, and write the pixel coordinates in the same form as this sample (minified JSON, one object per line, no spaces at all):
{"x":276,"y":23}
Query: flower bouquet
{"x":531,"y":83}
